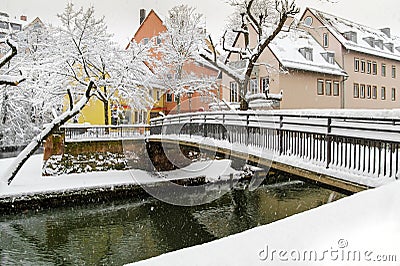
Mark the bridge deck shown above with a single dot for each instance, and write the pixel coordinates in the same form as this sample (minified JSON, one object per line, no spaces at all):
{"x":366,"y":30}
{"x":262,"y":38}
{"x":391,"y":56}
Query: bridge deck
{"x":349,"y":147}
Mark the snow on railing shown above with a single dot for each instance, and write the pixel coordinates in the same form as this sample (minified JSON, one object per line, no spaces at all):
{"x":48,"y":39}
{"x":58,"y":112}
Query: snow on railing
{"x":364,"y":143}
{"x":79,"y":132}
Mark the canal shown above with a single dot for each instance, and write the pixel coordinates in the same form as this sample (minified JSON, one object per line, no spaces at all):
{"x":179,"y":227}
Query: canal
{"x":131,"y":230}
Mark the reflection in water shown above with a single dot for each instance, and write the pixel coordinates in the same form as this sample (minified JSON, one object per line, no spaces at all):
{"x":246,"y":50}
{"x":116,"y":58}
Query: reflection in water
{"x":128,"y":231}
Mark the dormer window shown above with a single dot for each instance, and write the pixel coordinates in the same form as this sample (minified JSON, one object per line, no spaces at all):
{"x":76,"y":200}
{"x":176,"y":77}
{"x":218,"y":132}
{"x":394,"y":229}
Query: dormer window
{"x":16,"y":27}
{"x":307,"y":53}
{"x":329,"y":57}
{"x":350,"y":36}
{"x":389,"y":46}
{"x":398,"y":48}
{"x":370,"y":41}
{"x":379,"y":43}
{"x":386,"y":31}
{"x":4,"y":25}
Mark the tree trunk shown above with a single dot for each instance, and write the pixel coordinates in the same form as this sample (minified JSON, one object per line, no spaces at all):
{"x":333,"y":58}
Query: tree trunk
{"x":30,"y":149}
{"x":106,"y":111}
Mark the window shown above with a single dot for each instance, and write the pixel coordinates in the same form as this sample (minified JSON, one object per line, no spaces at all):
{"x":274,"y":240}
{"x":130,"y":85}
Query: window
{"x":307,"y":53}
{"x":369,"y":66}
{"x":374,"y":68}
{"x":158,"y":95}
{"x":362,"y":91}
{"x":308,"y":21}
{"x":169,"y":97}
{"x":393,"y":94}
{"x":369,"y":91}
{"x":127,"y":117}
{"x":140,"y":117}
{"x":253,"y":86}
{"x":325,"y":40}
{"x":383,"y":93}
{"x":383,"y":70}
{"x":362,"y":66}
{"x":356,"y":91}
{"x":328,"y":87}
{"x":356,"y":64}
{"x":4,"y":25}
{"x":329,"y":57}
{"x":177,"y":98}
{"x":158,"y":40}
{"x":374,"y":92}
{"x":336,"y":88}
{"x":320,"y":87}
{"x":393,"y":71}
{"x":264,"y":84}
{"x":234,"y":92}
{"x":351,"y":36}
{"x":145,"y":41}
{"x":16,"y":27}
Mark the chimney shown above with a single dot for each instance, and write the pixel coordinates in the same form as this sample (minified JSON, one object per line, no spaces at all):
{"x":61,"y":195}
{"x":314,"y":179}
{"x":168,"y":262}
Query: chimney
{"x":23,"y":18}
{"x":142,"y":15}
{"x":386,"y":31}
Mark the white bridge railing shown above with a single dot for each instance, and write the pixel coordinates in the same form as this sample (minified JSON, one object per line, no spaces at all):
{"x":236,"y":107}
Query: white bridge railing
{"x":77,"y":132}
{"x":346,"y":143}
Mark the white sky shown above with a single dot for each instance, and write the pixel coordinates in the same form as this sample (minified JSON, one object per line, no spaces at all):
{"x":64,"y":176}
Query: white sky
{"x":122,"y":16}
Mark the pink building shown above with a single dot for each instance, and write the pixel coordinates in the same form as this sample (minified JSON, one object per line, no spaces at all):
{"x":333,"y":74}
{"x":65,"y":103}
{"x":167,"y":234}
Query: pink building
{"x":296,"y":66}
{"x":328,"y":62}
{"x":370,"y":57}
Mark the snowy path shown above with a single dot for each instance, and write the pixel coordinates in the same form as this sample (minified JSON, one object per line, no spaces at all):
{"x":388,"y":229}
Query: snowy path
{"x":30,"y":181}
{"x":357,"y":230}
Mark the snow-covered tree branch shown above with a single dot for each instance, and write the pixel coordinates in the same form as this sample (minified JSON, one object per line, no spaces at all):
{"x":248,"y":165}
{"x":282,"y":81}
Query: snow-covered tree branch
{"x":5,"y":79}
{"x":175,"y":65}
{"x":46,"y":132}
{"x":121,"y":76}
{"x":266,"y":18}
{"x":77,"y":60}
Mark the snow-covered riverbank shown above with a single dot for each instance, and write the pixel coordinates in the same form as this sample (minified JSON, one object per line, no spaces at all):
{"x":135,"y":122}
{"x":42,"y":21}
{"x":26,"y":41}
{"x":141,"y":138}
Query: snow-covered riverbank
{"x":363,"y":229}
{"x":30,"y":180}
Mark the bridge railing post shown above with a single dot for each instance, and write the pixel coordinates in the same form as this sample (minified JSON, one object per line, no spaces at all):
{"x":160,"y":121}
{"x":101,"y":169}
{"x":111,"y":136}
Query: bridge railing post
{"x":190,"y":126}
{"x":223,"y":133}
{"x":280,"y":135}
{"x":328,"y":143}
{"x":247,"y":129}
{"x":205,"y":126}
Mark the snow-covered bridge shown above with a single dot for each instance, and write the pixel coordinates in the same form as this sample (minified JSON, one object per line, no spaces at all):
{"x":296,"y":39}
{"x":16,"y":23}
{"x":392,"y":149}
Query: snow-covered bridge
{"x":82,"y":132}
{"x":348,"y":149}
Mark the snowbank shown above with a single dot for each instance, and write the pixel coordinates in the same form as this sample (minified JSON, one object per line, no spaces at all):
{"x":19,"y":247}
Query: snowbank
{"x":357,"y":230}
{"x":30,"y":180}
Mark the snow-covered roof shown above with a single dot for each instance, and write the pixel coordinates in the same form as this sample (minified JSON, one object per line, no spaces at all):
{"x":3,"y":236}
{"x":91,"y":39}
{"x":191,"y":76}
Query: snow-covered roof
{"x":5,"y":18}
{"x":287,"y":46}
{"x":368,"y":40}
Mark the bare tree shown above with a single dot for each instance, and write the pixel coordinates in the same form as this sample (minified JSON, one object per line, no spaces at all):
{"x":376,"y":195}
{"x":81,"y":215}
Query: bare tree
{"x":76,"y":61}
{"x":119,"y":75}
{"x":177,"y":50}
{"x":267,"y":18}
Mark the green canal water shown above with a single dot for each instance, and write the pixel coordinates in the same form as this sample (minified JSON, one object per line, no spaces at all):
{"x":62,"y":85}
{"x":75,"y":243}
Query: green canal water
{"x":132,"y":230}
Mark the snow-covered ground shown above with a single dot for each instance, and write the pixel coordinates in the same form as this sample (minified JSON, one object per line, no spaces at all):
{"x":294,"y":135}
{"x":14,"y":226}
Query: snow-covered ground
{"x":363,"y":229}
{"x":30,"y":180}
